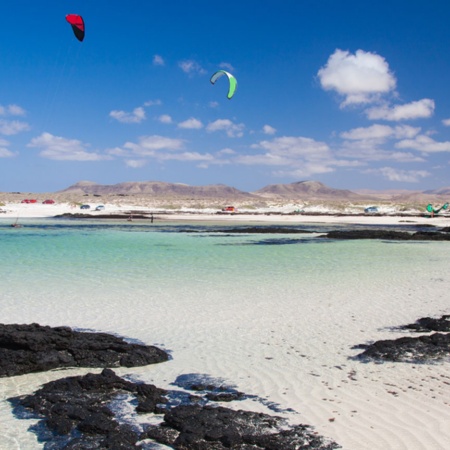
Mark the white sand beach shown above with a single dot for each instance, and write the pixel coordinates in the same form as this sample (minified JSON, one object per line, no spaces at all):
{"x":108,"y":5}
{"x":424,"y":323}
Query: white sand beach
{"x":278,"y":213}
{"x":295,"y":356}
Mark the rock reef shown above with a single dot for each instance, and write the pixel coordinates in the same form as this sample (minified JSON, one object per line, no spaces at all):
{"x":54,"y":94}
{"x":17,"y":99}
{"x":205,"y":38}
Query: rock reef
{"x":35,"y":348}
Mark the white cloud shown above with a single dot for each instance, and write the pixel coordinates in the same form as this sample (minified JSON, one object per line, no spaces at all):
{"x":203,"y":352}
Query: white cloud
{"x":153,"y":103}
{"x":213,"y":104}
{"x":408,"y":176}
{"x":359,"y":77}
{"x":288,"y":146}
{"x":4,"y":151}
{"x":380,"y":132}
{"x":62,"y":149}
{"x":226,"y":151}
{"x":158,"y":60}
{"x":136,"y":116}
{"x":165,"y":118}
{"x":424,"y":144}
{"x":10,"y":127}
{"x":446,"y":122}
{"x":226,"y":66}
{"x":415,"y":110}
{"x":191,"y":124}
{"x":135,"y":163}
{"x":149,"y":145}
{"x":232,"y":129}
{"x":12,"y":110}
{"x":267,"y":129}
{"x":186,"y":156}
{"x":190,"y":67}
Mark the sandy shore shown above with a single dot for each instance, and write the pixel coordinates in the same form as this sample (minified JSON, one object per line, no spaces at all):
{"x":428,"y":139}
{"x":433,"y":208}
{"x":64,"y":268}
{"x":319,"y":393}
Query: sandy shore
{"x":283,"y":213}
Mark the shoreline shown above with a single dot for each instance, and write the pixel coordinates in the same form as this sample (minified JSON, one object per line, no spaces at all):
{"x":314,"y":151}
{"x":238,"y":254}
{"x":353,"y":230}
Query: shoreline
{"x":284,"y":214}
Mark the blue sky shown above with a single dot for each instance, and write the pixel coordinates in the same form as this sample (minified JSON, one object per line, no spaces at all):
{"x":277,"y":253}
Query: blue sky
{"x":352,"y":93}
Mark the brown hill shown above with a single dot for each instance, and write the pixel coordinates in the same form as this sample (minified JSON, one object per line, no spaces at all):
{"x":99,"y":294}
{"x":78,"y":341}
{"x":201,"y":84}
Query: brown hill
{"x":158,"y":189}
{"x":308,"y":190}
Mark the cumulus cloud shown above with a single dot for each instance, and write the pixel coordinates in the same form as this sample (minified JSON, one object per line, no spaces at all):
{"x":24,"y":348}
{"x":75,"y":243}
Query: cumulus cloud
{"x":12,"y":110}
{"x":4,"y":151}
{"x":10,"y":127}
{"x":267,"y":129}
{"x":360,"y":78}
{"x":294,"y":156}
{"x":136,"y":116}
{"x":408,"y":176}
{"x":149,"y":145}
{"x":424,"y":144}
{"x":232,"y":129}
{"x":135,"y":163}
{"x":446,"y":122}
{"x":156,"y":102}
{"x":291,"y":146}
{"x":187,"y":156}
{"x":62,"y":149}
{"x":165,"y":118}
{"x":158,"y":60}
{"x":380,"y":132}
{"x":415,"y":110}
{"x":191,"y":124}
{"x":191,"y":67}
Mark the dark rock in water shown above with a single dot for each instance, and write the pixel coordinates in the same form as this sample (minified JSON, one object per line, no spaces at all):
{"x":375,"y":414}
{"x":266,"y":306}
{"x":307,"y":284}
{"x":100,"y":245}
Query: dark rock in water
{"x":35,"y":348}
{"x":84,"y":412}
{"x":218,"y":428}
{"x":429,"y":324}
{"x":263,"y":230}
{"x":410,"y":349}
{"x":388,"y":235}
{"x":76,"y":410}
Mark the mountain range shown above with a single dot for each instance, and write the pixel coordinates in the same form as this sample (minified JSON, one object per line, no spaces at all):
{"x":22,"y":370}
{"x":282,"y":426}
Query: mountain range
{"x":301,"y":190}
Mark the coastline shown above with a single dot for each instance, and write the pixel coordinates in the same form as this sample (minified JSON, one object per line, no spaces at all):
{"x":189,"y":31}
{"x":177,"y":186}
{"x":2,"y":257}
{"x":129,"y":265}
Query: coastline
{"x":281,"y":214}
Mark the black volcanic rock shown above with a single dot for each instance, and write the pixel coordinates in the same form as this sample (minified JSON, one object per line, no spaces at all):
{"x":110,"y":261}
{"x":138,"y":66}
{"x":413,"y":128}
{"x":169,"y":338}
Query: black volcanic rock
{"x":219,"y":428}
{"x":426,"y":324}
{"x":36,"y":348}
{"x":78,"y":410}
{"x":388,"y":235}
{"x":409,"y":349}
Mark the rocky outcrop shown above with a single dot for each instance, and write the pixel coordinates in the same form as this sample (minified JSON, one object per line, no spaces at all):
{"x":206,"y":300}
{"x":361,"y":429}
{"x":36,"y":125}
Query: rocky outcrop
{"x":81,"y":412}
{"x":388,"y":235}
{"x":427,"y":324}
{"x":219,"y":428}
{"x":77,"y":412}
{"x":35,"y":348}
{"x":424,"y":349}
{"x":430,"y":348}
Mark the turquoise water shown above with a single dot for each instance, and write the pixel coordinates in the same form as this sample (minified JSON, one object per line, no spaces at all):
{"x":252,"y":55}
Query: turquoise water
{"x":104,"y":264}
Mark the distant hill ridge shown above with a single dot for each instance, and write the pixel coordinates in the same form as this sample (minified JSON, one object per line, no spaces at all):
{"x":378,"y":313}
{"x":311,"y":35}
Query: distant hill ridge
{"x":301,"y":190}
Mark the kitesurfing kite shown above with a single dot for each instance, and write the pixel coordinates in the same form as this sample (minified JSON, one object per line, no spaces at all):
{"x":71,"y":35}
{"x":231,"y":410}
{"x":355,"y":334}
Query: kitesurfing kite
{"x":77,"y":23}
{"x":231,"y":79}
{"x":432,"y":210}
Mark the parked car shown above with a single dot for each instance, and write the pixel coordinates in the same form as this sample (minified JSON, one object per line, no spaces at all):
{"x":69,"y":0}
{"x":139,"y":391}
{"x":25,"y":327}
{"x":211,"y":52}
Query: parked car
{"x":100,"y":208}
{"x":85,"y":207}
{"x":48,"y":202}
{"x":229,"y":209}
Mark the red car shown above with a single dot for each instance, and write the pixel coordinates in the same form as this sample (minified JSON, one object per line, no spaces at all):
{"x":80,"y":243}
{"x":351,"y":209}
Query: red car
{"x":48,"y":202}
